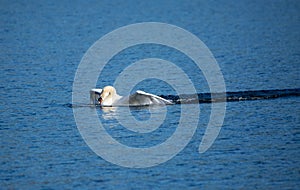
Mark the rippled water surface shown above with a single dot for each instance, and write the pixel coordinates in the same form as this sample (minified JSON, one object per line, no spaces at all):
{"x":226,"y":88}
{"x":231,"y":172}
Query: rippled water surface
{"x":256,"y":44}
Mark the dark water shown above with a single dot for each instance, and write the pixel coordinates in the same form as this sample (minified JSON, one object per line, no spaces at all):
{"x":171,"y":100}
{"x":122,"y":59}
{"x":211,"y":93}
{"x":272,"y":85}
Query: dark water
{"x":232,"y":96}
{"x":256,"y":44}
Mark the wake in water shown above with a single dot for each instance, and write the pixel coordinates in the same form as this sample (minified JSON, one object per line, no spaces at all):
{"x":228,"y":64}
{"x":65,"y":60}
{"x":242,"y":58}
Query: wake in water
{"x":232,"y":96}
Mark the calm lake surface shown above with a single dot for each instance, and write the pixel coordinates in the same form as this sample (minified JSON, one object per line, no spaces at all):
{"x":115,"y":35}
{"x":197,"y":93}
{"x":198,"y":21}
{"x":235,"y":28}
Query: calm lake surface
{"x":256,"y":44}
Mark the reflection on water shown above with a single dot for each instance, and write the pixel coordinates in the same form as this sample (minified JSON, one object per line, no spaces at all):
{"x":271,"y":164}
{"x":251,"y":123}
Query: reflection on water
{"x":109,"y":113}
{"x":141,"y":119}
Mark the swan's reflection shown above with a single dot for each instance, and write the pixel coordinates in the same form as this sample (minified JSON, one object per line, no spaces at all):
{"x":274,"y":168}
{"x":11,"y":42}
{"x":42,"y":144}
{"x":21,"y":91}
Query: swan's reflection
{"x":142,"y":119}
{"x":109,"y":113}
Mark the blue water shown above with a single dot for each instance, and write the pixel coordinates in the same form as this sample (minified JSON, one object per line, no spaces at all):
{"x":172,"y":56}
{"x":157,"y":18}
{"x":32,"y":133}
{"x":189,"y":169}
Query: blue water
{"x":256,"y":44}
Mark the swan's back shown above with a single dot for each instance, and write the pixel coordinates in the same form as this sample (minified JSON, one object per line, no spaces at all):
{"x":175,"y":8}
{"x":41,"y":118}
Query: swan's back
{"x":141,"y":98}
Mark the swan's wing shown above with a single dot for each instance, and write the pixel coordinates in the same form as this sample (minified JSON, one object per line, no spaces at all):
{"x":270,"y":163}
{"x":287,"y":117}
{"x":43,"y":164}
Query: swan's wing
{"x":95,"y":95}
{"x":142,"y":98}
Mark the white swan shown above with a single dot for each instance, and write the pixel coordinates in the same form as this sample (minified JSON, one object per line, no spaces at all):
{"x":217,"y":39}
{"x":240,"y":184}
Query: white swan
{"x":109,"y":97}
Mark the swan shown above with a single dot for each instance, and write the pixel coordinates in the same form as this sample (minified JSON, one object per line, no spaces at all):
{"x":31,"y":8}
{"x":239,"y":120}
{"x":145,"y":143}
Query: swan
{"x":109,"y":97}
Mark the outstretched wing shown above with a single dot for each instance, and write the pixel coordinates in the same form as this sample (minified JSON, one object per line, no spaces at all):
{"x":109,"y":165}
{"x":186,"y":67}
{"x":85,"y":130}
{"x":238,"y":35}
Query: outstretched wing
{"x":141,"y":98}
{"x":95,"y":95}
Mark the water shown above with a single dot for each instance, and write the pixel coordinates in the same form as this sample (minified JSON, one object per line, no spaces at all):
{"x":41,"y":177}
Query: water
{"x":255,"y":43}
